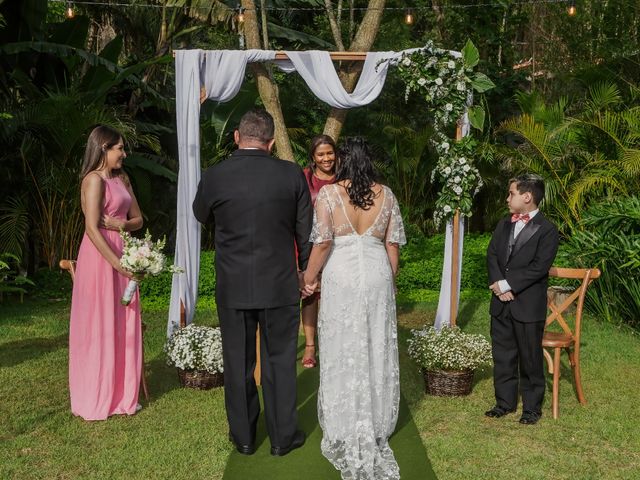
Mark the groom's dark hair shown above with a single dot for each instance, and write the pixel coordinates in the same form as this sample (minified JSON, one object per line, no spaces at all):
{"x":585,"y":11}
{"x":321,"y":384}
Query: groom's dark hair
{"x":257,"y":124}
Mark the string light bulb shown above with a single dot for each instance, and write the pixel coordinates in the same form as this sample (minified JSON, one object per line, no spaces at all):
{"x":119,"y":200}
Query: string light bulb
{"x":70,"y":12}
{"x":571,"y":10}
{"x":408,"y":17}
{"x":240,"y":16}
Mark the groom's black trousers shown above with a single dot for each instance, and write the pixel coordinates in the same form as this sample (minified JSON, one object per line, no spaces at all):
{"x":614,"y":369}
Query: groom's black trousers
{"x":278,"y":349}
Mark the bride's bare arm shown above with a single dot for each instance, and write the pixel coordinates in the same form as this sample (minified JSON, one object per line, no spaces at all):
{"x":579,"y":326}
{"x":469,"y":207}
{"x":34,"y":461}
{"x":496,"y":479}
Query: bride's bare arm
{"x":319,"y":255}
{"x":393,"y":252}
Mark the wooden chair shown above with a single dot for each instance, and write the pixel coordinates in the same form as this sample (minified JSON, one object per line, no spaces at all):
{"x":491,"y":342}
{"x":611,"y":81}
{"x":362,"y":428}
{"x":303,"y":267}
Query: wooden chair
{"x":70,"y":266}
{"x":560,"y":302}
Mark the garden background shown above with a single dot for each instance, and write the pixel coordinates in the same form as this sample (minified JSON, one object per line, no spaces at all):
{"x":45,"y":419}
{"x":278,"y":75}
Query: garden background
{"x":566,"y":106}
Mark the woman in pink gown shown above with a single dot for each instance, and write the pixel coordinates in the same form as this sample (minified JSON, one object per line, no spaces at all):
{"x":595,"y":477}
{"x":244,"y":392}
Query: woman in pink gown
{"x":105,"y":350}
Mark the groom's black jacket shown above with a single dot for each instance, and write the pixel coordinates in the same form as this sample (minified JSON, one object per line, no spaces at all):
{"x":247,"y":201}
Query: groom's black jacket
{"x":526,"y":269}
{"x":259,"y":206}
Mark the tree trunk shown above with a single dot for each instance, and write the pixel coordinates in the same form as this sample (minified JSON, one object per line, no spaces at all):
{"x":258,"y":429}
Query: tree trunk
{"x":267,"y":88}
{"x":363,"y":41}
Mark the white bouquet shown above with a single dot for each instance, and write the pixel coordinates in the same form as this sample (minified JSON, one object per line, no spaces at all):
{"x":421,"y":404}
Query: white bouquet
{"x":195,"y":347}
{"x":142,"y":257}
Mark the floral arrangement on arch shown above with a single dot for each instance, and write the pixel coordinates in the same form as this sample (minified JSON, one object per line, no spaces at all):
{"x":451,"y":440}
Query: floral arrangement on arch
{"x":446,"y":81}
{"x":448,"y":349}
{"x":195,"y":347}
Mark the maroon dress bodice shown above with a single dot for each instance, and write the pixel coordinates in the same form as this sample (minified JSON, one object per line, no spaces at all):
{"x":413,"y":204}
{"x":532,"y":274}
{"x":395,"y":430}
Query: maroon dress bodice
{"x":315,"y":184}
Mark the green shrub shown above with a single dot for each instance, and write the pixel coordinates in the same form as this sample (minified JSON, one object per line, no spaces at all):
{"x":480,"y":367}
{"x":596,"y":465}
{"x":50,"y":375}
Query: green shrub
{"x":54,"y":283}
{"x":418,"y":280}
{"x":155,"y":292}
{"x":11,"y":279}
{"x":421,"y":263}
{"x":609,"y":238}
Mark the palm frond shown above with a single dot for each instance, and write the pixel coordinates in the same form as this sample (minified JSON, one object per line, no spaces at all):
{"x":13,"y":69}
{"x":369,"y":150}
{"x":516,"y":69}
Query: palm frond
{"x":14,"y":225}
{"x":603,"y":96}
{"x":631,"y":162}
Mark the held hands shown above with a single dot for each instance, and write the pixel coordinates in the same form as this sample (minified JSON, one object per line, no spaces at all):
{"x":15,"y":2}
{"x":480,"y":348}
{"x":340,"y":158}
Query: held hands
{"x":308,"y":286}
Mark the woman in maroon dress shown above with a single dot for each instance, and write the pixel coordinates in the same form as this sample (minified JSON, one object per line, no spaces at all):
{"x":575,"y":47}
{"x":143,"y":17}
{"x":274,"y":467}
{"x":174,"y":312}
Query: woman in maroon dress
{"x":320,"y":172}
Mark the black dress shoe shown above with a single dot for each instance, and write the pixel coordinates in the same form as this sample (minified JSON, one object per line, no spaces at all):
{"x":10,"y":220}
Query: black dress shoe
{"x":530,"y":418}
{"x":497,"y":412}
{"x":298,"y":440}
{"x":243,"y":449}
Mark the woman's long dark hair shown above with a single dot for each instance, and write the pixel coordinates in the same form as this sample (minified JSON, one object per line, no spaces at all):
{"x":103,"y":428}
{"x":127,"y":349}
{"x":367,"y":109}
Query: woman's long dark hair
{"x":356,"y":166}
{"x":101,"y":139}
{"x":315,"y":143}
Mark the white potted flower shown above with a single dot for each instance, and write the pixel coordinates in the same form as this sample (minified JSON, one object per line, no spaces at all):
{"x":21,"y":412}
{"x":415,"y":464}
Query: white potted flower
{"x":448,"y":358}
{"x":196,"y":352}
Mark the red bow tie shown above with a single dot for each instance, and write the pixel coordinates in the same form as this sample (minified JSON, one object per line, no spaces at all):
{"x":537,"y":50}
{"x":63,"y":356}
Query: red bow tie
{"x":524,"y":217}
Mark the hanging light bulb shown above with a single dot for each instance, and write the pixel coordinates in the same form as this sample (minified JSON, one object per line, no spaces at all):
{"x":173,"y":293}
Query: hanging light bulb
{"x":571,"y":10}
{"x":408,"y":17}
{"x":70,"y":12}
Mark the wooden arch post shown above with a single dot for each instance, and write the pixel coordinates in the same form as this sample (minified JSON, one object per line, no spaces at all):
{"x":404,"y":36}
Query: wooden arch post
{"x":455,"y":255}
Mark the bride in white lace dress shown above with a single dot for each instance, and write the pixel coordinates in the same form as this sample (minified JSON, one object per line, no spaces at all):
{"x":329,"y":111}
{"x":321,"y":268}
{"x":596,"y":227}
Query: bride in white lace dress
{"x":356,"y":235}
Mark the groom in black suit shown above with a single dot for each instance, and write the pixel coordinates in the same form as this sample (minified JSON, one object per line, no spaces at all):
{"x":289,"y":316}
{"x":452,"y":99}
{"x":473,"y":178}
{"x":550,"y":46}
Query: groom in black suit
{"x":519,"y":256}
{"x":259,"y":205}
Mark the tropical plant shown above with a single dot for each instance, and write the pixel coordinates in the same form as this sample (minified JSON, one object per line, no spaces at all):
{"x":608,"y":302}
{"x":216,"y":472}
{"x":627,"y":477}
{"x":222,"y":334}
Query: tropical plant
{"x":55,"y":94}
{"x":409,"y":166}
{"x":11,"y":280}
{"x":584,"y":158}
{"x":609,"y":238}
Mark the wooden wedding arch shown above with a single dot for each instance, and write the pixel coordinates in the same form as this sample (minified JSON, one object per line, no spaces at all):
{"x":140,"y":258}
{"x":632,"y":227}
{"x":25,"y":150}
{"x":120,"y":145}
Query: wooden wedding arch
{"x":180,"y":309}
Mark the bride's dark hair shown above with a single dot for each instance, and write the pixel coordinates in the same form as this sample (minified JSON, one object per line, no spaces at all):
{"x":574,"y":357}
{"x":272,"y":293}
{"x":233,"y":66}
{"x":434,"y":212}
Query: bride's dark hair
{"x":355,"y":164}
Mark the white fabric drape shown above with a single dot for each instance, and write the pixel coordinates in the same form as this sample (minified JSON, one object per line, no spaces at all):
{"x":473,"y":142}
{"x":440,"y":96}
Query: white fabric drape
{"x":224,"y":71}
{"x":185,"y":285}
{"x":221,"y":72}
{"x":317,"y":70}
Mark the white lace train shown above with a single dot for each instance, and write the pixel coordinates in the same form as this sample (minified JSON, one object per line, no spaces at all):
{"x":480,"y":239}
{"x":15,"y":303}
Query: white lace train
{"x":359,"y":391}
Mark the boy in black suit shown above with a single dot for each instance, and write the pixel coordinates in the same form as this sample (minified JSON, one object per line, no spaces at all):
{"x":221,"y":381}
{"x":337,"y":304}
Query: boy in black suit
{"x":519,"y":256}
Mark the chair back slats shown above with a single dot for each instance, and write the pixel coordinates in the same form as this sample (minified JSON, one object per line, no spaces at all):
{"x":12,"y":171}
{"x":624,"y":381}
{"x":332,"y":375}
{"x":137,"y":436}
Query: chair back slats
{"x":563,"y":272}
{"x":558,"y":312}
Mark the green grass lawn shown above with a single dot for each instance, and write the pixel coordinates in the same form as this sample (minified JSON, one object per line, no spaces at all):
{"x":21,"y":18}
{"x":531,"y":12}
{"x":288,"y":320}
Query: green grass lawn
{"x":182,"y":433}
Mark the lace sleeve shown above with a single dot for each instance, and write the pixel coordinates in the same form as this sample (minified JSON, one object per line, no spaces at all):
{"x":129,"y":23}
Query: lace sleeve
{"x":322,"y":219}
{"x":395,"y":229}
